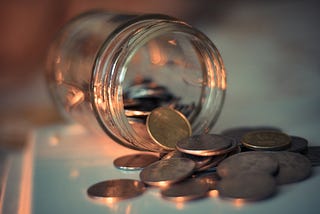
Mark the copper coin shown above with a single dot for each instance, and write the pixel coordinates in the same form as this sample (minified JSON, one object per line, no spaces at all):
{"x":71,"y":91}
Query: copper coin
{"x":206,"y":145}
{"x":266,"y":140}
{"x":255,"y":161}
{"x":166,"y":172}
{"x":167,"y":126}
{"x":134,"y":161}
{"x":116,"y":190}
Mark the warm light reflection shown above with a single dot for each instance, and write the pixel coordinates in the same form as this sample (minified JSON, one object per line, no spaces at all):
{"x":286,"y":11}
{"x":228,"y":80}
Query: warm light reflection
{"x":179,"y":205}
{"x":156,"y":55}
{"x":74,"y":173}
{"x":213,"y":193}
{"x":25,"y":198}
{"x":59,"y":77}
{"x":172,"y":42}
{"x":54,"y":140}
{"x":238,"y":202}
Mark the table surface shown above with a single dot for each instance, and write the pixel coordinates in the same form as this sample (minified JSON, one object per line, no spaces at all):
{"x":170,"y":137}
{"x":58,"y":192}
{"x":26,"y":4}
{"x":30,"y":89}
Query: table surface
{"x":68,"y":159}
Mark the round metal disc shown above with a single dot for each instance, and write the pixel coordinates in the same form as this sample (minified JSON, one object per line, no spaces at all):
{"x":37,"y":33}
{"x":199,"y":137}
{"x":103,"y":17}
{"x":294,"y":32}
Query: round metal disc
{"x":247,"y":187}
{"x":200,"y":161}
{"x":293,"y":167}
{"x":186,"y":190}
{"x":166,"y":172}
{"x":167,"y":126}
{"x":254,"y":161}
{"x":116,"y":190}
{"x":266,"y":140}
{"x":134,"y":161}
{"x":298,"y":144}
{"x":211,"y":178}
{"x":206,"y":145}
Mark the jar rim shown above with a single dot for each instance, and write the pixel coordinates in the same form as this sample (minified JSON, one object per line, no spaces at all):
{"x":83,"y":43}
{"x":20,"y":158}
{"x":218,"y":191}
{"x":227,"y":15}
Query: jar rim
{"x":115,"y":53}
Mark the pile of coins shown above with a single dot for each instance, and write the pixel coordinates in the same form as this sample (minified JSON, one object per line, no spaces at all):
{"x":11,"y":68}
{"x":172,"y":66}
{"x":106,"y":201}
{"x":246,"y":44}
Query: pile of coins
{"x":239,"y":164}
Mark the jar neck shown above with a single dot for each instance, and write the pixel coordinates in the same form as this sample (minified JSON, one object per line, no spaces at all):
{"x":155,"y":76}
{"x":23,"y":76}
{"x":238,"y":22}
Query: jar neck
{"x":111,"y":66}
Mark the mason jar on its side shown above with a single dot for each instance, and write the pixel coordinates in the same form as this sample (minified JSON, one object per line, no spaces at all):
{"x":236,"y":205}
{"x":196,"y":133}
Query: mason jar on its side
{"x":103,"y":66}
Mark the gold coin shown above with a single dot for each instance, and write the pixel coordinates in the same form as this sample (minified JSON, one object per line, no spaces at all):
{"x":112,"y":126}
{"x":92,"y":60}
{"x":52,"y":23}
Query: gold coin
{"x":167,"y":126}
{"x":266,"y":140}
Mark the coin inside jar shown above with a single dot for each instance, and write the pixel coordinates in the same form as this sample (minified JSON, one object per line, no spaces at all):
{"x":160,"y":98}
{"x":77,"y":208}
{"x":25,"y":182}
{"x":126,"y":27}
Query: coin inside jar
{"x":167,"y":126}
{"x":266,"y":140}
{"x":134,"y":161}
{"x":116,"y":190}
{"x":254,"y":161}
{"x":251,"y":186}
{"x":166,"y":172}
{"x":206,"y":145}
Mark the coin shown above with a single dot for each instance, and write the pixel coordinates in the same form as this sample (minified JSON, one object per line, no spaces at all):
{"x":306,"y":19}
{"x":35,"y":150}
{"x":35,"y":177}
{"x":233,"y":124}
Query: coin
{"x":205,"y":145}
{"x":116,"y":190}
{"x":211,"y":178}
{"x":214,"y":161}
{"x":313,"y":155}
{"x":200,"y":161}
{"x":167,"y":126}
{"x":298,"y":144}
{"x":251,"y":186}
{"x":186,"y":190}
{"x":238,"y":132}
{"x":255,"y":161}
{"x":134,"y":161}
{"x":166,"y":172}
{"x":266,"y":140}
{"x":293,"y":167}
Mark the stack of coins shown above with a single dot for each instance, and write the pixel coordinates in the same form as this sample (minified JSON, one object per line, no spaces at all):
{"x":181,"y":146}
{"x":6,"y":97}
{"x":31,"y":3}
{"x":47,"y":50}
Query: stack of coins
{"x":246,"y":166}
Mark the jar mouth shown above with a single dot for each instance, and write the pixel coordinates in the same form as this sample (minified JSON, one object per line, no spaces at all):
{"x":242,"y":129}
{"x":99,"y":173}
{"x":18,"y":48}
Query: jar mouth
{"x":177,"y":56}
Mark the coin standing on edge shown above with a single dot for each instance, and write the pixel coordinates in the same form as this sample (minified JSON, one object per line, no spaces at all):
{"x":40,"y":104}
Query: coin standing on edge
{"x":134,"y":161}
{"x":167,"y":126}
{"x":206,"y":145}
{"x":166,"y":172}
{"x":255,"y":161}
{"x":116,"y":190}
{"x":266,"y":140}
{"x":247,"y":187}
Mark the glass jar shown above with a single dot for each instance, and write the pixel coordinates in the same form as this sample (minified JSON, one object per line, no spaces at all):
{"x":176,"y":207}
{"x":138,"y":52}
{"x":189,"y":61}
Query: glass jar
{"x":107,"y":71}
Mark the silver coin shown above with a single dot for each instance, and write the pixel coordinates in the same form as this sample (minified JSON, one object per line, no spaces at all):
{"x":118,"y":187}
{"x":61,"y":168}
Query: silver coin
{"x":293,"y":167}
{"x":116,"y":190}
{"x":248,"y":162}
{"x":210,"y":178}
{"x":205,"y":145}
{"x":298,"y":144}
{"x":214,"y":161}
{"x":200,"y":161}
{"x":247,"y":187}
{"x":187,"y":190}
{"x":134,"y":161}
{"x":166,"y":172}
{"x":313,"y":155}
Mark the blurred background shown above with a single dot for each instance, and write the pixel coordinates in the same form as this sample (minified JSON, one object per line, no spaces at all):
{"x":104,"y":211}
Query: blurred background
{"x":271,"y":51}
